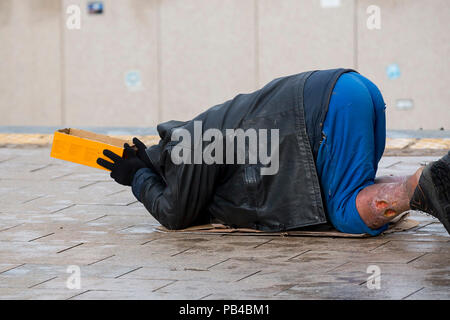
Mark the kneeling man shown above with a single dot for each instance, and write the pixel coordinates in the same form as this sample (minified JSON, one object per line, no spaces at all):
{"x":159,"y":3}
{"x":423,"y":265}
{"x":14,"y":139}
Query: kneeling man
{"x":301,"y":151}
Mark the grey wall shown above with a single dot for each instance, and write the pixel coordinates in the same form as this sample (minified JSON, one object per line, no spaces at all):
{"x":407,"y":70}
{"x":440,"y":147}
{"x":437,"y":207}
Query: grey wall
{"x":416,"y":35}
{"x":30,"y":62}
{"x":192,"y":54}
{"x":97,"y":58}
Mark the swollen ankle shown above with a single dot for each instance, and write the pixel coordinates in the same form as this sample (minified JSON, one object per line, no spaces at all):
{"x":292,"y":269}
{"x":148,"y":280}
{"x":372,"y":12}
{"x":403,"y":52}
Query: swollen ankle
{"x":412,"y":182}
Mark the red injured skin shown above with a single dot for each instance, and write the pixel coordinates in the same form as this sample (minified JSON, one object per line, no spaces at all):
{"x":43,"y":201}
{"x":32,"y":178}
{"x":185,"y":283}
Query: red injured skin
{"x":381,"y":204}
{"x":389,"y":213}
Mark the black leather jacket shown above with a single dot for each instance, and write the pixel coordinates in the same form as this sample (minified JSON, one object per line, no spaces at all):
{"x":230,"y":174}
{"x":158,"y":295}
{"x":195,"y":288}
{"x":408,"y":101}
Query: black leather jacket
{"x":182,"y":195}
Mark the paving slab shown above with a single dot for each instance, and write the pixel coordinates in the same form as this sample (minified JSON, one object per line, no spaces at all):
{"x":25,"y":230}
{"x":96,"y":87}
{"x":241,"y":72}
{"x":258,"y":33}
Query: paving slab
{"x":55,"y":215}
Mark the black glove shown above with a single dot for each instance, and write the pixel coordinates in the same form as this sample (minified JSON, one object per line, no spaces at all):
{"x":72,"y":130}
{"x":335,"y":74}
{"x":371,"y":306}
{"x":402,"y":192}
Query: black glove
{"x":141,"y":153}
{"x":123,"y":168}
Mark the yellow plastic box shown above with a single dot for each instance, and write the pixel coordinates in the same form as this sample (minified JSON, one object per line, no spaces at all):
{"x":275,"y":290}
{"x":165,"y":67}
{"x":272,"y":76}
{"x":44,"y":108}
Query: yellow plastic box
{"x":84,"y":147}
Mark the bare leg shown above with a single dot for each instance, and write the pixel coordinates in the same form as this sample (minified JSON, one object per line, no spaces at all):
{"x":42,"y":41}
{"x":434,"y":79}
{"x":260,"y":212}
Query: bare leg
{"x":387,"y":198}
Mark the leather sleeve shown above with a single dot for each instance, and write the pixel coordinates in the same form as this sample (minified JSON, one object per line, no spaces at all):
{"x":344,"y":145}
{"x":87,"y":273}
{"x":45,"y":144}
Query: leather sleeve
{"x":179,"y":199}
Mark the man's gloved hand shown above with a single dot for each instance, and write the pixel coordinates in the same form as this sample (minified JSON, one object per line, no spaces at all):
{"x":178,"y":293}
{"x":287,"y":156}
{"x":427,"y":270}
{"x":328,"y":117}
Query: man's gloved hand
{"x":122,"y":169}
{"x":141,"y":153}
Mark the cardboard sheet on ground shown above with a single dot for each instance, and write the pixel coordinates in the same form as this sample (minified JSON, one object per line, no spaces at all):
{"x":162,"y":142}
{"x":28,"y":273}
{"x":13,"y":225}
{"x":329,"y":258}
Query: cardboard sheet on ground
{"x":401,"y":223}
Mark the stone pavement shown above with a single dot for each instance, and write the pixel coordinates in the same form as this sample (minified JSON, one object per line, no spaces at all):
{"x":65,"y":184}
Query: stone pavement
{"x":55,"y":214}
